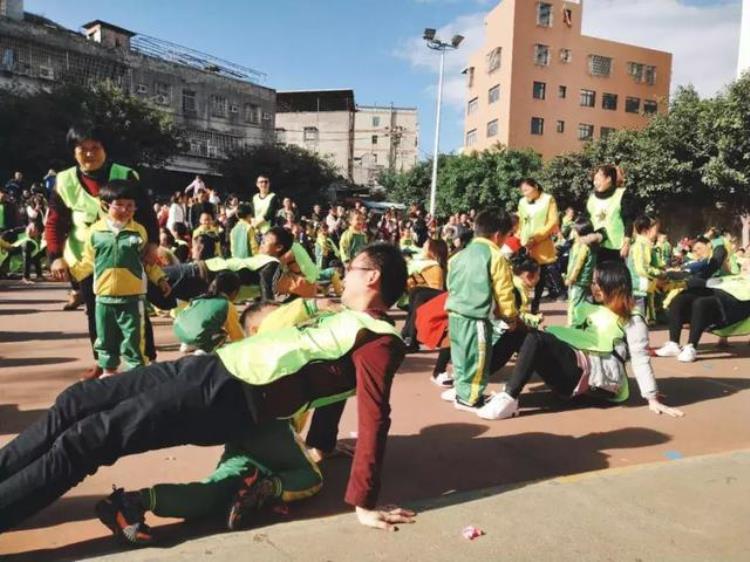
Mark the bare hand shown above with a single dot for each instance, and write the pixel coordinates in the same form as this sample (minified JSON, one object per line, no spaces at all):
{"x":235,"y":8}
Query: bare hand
{"x":165,"y":287}
{"x":59,"y":270}
{"x":150,"y":255}
{"x":625,"y":250}
{"x":385,"y":519}
{"x":658,"y":407}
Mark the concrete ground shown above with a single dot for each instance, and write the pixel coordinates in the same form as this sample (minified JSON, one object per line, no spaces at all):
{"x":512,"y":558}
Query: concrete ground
{"x":437,"y":459}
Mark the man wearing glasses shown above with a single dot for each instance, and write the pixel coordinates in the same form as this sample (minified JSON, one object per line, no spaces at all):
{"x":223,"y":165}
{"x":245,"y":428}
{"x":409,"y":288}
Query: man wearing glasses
{"x":214,"y":399}
{"x":265,"y":205}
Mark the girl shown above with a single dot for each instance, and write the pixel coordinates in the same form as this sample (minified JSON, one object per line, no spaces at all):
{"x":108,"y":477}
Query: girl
{"x":211,"y":319}
{"x":588,"y":358}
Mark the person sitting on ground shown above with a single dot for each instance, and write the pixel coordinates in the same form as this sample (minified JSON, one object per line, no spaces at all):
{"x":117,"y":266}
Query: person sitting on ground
{"x":354,"y":239}
{"x":588,"y":358}
{"x":243,"y":238}
{"x":208,"y":227}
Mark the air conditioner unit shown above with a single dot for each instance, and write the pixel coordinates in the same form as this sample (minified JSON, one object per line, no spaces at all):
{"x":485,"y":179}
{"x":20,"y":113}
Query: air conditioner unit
{"x":46,"y":72}
{"x":162,"y":100}
{"x":234,"y":108}
{"x":142,"y":89}
{"x":267,"y":116}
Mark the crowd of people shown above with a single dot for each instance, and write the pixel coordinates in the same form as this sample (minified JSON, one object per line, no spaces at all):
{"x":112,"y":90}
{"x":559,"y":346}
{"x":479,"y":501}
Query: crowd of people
{"x":282,"y":314}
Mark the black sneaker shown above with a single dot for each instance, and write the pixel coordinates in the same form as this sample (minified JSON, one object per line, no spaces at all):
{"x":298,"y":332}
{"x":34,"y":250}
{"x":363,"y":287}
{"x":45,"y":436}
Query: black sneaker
{"x":255,"y":493}
{"x":125,"y":517}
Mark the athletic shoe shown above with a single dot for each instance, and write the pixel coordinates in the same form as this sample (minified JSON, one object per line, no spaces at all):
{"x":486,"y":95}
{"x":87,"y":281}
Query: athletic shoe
{"x":185,"y":348}
{"x":669,"y":349}
{"x":92,"y":373}
{"x":74,"y":301}
{"x":443,"y":380}
{"x":448,"y":395}
{"x":500,"y":407}
{"x":254,"y":493}
{"x":688,"y":353}
{"x":125,"y":517}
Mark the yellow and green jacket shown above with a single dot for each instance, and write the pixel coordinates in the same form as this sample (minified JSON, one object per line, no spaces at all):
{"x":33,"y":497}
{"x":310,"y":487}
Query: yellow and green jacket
{"x":479,"y":280}
{"x":243,"y":240}
{"x":581,"y":262}
{"x":642,"y":264}
{"x":214,"y":233}
{"x":116,"y":260}
{"x":351,"y":244}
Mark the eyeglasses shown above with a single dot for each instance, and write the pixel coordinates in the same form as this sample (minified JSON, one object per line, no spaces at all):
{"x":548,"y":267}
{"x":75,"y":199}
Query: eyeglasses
{"x":350,"y":268}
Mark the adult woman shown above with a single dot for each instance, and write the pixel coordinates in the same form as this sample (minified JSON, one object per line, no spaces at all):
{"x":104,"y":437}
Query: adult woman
{"x":537,"y":212}
{"x":589,"y":358}
{"x":611,"y":210}
{"x":177,"y":210}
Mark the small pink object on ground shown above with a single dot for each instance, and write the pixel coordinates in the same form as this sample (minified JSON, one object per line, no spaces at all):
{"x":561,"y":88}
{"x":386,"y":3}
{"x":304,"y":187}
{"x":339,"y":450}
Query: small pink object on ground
{"x":472,"y":533}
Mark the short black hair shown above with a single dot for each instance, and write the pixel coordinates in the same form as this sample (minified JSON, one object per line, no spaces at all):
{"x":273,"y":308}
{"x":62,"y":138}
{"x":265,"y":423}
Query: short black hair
{"x":532,"y":182}
{"x":642,"y":223}
{"x":80,"y":132}
{"x":180,"y":228}
{"x":582,"y":226}
{"x":225,"y":282}
{"x":208,"y":246}
{"x":283,"y":237}
{"x":524,"y":264}
{"x":244,"y":210}
{"x":491,"y":221}
{"x":255,"y":307}
{"x":702,"y":240}
{"x":387,"y":259}
{"x":119,"y":189}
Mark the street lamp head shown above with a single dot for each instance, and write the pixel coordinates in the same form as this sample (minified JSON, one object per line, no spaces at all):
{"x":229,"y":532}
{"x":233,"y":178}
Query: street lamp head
{"x":429,"y":34}
{"x":456,"y":41}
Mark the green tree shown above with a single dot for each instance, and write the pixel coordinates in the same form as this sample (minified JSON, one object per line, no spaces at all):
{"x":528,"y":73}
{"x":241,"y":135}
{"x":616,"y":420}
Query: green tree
{"x":33,"y":128}
{"x":294,"y":172}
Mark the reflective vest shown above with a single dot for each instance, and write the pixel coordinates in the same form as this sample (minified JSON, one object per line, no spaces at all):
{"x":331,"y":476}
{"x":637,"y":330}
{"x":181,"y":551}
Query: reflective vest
{"x":601,"y":331}
{"x":238,"y":240}
{"x":524,"y":309}
{"x":265,"y":358}
{"x":533,"y":216}
{"x":419,"y":264}
{"x":260,"y":208}
{"x":85,"y":209}
{"x":252,"y":263}
{"x":304,"y":261}
{"x":739,"y":287}
{"x":605,"y":213}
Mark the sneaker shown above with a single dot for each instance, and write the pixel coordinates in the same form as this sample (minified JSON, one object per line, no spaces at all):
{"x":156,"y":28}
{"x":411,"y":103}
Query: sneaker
{"x":254,"y":493}
{"x":688,"y":353}
{"x":125,"y":517}
{"x":448,"y":395}
{"x":443,"y":380}
{"x":74,"y":301}
{"x":669,"y":349}
{"x":500,"y":407}
{"x":92,"y":373}
{"x":185,"y":348}
{"x":459,"y":404}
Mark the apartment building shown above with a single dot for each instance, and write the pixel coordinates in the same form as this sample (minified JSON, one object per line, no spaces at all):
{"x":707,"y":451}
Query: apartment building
{"x":538,"y":82}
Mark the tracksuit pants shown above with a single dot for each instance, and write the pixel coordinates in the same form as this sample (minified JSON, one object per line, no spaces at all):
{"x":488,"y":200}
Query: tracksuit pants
{"x":120,"y":329}
{"x":471,"y":345}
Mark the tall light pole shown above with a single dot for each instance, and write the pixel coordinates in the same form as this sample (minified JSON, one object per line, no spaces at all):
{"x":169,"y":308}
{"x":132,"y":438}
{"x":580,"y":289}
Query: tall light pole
{"x":436,"y":44}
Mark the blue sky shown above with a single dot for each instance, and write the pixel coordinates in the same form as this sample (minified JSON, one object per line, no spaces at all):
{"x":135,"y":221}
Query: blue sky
{"x":375,"y":47}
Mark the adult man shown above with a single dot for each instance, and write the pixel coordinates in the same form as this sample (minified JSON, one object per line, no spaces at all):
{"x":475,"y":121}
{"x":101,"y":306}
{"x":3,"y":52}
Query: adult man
{"x":14,"y":186}
{"x":75,"y":206}
{"x":213,"y":399}
{"x":200,"y":206}
{"x":265,"y":205}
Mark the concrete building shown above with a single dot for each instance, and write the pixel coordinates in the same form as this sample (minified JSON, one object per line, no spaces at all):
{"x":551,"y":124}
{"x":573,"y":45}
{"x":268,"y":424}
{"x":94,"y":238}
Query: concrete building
{"x":743,"y":60}
{"x":219,"y":105}
{"x":360,"y":141}
{"x":538,"y":82}
{"x":385,"y":138}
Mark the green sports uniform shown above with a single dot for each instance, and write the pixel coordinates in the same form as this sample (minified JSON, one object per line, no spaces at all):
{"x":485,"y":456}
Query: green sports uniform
{"x":351,"y":244}
{"x":580,"y":274}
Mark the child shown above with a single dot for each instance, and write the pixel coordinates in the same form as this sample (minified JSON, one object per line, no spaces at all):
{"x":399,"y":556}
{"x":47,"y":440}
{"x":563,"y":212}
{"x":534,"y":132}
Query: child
{"x":526,"y":274}
{"x":208,"y":228}
{"x":114,"y":253}
{"x":642,"y":264}
{"x":581,"y":262}
{"x":325,"y":248}
{"x":480,"y":282}
{"x":354,"y":239}
{"x":211,"y":319}
{"x":243,"y":238}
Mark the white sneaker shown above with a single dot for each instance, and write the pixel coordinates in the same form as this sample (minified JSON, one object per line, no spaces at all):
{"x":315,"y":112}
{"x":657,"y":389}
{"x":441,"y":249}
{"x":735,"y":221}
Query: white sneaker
{"x":501,"y":406}
{"x":200,"y":352}
{"x":688,"y":353}
{"x":443,"y":380}
{"x":449,"y":395}
{"x":669,"y":349}
{"x":185,"y":348}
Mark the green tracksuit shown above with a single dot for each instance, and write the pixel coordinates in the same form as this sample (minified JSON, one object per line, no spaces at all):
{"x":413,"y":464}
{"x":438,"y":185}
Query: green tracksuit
{"x":580,"y":274}
{"x":351,"y":244}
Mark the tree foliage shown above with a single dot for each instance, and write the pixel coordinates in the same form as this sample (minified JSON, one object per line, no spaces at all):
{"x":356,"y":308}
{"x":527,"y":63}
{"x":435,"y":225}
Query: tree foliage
{"x":33,"y":127}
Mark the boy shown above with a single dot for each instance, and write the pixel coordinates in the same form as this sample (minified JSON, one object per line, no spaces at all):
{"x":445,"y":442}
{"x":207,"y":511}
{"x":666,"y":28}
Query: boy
{"x":114,"y":253}
{"x":641,"y":264}
{"x":208,"y":228}
{"x":354,"y":239}
{"x":581,"y":262}
{"x":480,"y":282}
{"x":243,"y":238}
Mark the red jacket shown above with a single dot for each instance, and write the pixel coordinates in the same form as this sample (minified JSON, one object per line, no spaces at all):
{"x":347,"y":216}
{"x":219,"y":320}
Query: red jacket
{"x":432,"y":321}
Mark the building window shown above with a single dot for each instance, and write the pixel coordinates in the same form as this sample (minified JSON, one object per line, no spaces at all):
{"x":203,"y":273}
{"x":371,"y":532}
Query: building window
{"x":568,"y":17}
{"x":374,"y":139}
{"x":471,"y":137}
{"x":541,"y":55}
{"x":469,"y":76}
{"x":189,"y":103}
{"x":566,"y":55}
{"x":493,"y":94}
{"x":493,"y":59}
{"x":492,"y":128}
{"x":588,"y":98}
{"x":162,"y":93}
{"x":606,"y":131}
{"x":280,"y":136}
{"x":540,"y":90}
{"x":562,"y":92}
{"x":600,"y":66}
{"x":310,"y":134}
{"x":472,"y":106}
{"x":142,"y":89}
{"x":376,"y":121}
{"x":609,"y":101}
{"x":585,"y":131}
{"x":544,"y":14}
{"x":642,"y":73}
{"x":537,"y":126}
{"x":632,"y":105}
{"x":218,"y":106}
{"x":560,"y":127}
{"x":649,"y":107}
{"x":252,"y":114}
